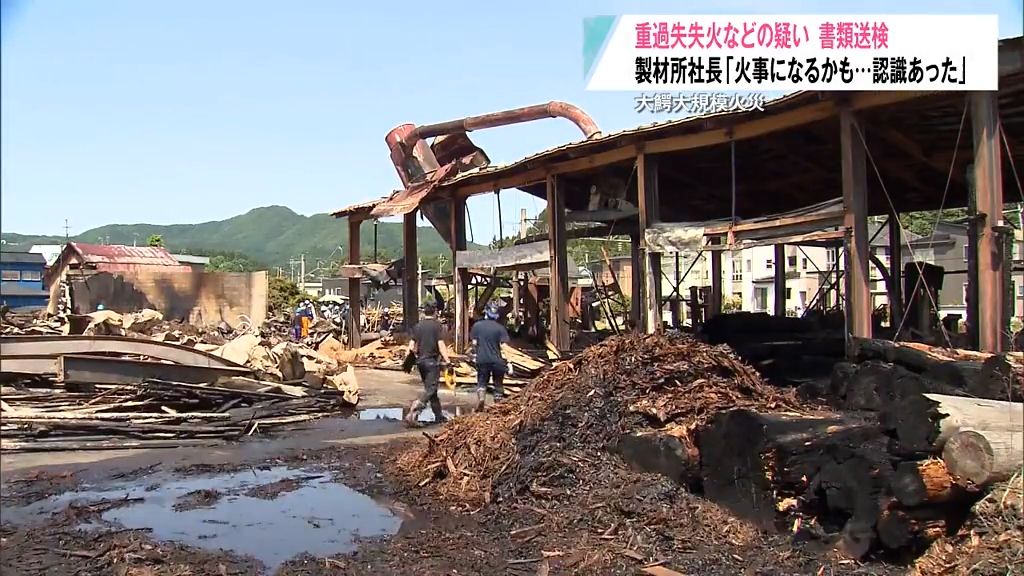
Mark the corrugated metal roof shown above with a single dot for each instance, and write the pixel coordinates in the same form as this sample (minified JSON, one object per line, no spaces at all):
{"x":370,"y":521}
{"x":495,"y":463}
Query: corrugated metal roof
{"x":21,"y":258}
{"x":119,"y":254}
{"x":361,"y":207}
{"x":688,"y":124}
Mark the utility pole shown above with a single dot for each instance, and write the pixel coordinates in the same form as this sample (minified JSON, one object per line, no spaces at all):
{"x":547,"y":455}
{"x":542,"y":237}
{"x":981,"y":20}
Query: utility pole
{"x":522,"y":223}
{"x":302,"y":273}
{"x":67,"y":235}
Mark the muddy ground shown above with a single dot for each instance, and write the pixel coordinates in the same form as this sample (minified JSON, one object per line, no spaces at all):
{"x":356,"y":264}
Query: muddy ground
{"x":316,"y":500}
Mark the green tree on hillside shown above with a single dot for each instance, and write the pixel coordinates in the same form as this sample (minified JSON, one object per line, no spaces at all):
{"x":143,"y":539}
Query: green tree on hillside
{"x":155,"y":240}
{"x":283,"y":295}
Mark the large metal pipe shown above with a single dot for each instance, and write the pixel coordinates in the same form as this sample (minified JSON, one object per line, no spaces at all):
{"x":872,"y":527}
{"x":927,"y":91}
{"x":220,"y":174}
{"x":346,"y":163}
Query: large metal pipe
{"x":554,"y":109}
{"x":413,"y":158}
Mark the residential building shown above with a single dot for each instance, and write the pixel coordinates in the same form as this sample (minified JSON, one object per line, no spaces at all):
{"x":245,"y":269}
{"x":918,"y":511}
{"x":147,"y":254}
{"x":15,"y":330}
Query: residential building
{"x":49,"y":251}
{"x":21,"y":280}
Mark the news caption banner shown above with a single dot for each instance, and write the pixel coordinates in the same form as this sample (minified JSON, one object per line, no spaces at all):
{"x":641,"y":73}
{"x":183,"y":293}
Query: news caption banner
{"x":717,"y":56}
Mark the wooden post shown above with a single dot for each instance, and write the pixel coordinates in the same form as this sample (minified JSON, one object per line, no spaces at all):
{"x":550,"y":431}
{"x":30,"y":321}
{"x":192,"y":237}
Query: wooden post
{"x":855,"y":219}
{"x":780,"y":280}
{"x":716,"y":281}
{"x":459,"y":275}
{"x":647,"y":198}
{"x":895,"y":271}
{"x":636,"y":275}
{"x":988,"y":183}
{"x":355,"y":301}
{"x":559,"y":289}
{"x":410,"y":297}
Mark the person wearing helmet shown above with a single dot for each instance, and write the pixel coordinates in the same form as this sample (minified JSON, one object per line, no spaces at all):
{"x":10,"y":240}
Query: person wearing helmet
{"x":426,"y":341}
{"x":487,"y":336}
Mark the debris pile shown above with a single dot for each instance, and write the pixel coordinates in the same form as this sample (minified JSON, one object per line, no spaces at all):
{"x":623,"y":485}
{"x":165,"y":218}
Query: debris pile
{"x":696,"y":414}
{"x":103,"y":377}
{"x":155,"y":414}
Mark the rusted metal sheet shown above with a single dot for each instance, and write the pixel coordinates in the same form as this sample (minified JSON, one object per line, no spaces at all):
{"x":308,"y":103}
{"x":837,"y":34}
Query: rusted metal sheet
{"x":407,"y":200}
{"x":82,"y":369}
{"x":12,"y":347}
{"x":574,"y":114}
{"x":359,"y":211}
{"x":123,"y":255}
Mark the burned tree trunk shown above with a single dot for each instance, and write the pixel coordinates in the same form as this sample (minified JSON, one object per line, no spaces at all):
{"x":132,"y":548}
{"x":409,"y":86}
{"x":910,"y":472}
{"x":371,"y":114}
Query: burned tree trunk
{"x":902,"y":528}
{"x":984,"y":458}
{"x":1000,"y":379}
{"x":922,"y":424}
{"x":949,"y":377}
{"x":752,"y":462}
{"x":924,"y":482}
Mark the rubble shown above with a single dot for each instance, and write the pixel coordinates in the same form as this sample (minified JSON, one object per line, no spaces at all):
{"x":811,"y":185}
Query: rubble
{"x":72,"y":398}
{"x":702,"y":418}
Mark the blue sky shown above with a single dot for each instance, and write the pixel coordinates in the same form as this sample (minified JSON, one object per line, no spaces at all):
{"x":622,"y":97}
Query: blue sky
{"x":187,"y":111}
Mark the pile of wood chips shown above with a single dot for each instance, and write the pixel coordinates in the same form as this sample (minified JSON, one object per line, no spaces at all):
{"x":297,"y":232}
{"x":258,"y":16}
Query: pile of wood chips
{"x":538,"y":442}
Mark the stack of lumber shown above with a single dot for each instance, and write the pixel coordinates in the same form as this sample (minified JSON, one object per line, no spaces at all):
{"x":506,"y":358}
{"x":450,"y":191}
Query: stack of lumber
{"x":889,"y":372}
{"x":157,"y":413}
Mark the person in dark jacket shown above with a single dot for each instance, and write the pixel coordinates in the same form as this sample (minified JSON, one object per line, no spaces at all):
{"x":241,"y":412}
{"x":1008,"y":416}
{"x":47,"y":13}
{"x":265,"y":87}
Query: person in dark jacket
{"x":486,"y":337}
{"x":427,"y":342}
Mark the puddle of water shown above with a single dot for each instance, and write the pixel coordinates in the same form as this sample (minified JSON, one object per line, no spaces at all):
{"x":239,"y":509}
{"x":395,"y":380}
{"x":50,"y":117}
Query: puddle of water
{"x":321,"y":517}
{"x":398,"y":413}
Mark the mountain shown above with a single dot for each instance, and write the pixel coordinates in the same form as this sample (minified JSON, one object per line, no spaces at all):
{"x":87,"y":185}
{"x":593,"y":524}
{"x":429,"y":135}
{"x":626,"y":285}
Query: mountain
{"x":271,"y":236}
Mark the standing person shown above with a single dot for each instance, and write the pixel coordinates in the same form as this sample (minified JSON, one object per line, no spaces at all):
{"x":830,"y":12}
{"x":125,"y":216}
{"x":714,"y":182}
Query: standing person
{"x":306,"y":317}
{"x":486,"y":338}
{"x":427,"y":342}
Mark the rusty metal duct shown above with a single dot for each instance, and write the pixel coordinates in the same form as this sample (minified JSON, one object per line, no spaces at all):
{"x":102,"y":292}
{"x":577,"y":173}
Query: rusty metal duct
{"x":413,"y":158}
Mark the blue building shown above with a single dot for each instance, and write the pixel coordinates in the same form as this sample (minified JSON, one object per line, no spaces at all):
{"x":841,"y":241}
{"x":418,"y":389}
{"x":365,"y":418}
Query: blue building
{"x":21,"y":280}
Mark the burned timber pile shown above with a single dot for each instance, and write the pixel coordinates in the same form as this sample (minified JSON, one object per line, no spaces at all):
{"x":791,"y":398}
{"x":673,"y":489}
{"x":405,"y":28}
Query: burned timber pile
{"x":693,"y":413}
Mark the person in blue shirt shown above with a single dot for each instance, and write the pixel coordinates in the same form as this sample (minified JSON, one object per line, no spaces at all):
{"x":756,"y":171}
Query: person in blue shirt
{"x":486,"y":337}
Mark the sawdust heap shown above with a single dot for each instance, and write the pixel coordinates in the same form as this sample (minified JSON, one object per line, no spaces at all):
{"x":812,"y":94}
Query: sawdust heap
{"x":551,"y":439}
{"x":991,"y":542}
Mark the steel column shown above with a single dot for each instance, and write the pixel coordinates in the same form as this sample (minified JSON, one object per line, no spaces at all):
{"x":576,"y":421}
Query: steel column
{"x":780,"y":280}
{"x":715,"y":307}
{"x":895,"y":271}
{"x":559,"y":290}
{"x":458,"y":234}
{"x":648,"y":198}
{"x":410,"y":264}
{"x":855,"y":219}
{"x":988,"y":183}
